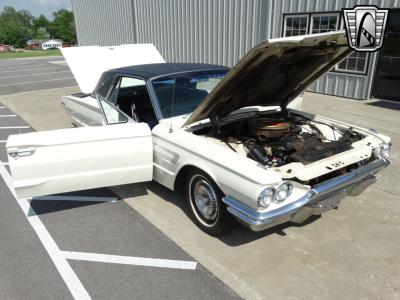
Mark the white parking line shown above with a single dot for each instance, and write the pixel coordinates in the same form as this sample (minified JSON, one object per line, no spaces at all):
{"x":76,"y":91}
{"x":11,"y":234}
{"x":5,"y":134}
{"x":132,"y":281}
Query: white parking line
{"x":36,"y":74}
{"x":4,"y":163}
{"x":15,"y":127}
{"x":7,"y":116}
{"x":131,"y":260}
{"x":72,"y":281}
{"x":21,"y":83}
{"x":76,"y":198}
{"x":3,"y":141}
{"x":1,"y":107}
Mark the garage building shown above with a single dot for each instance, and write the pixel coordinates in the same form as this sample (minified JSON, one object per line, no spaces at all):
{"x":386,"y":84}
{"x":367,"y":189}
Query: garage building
{"x":222,"y":31}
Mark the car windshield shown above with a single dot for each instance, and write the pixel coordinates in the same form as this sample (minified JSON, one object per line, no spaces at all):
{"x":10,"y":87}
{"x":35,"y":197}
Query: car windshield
{"x":180,"y":94}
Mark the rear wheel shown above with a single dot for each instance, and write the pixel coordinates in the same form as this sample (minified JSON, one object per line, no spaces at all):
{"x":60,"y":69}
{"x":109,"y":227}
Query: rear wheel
{"x":205,"y":203}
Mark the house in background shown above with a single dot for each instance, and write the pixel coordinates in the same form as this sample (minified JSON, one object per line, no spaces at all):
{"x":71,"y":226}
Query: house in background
{"x":6,"y":48}
{"x":52,"y":44}
{"x":46,"y":44}
{"x":34,"y":44}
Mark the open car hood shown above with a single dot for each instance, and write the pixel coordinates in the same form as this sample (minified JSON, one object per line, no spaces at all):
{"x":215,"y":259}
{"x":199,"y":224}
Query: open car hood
{"x":89,"y":62}
{"x":273,"y":73}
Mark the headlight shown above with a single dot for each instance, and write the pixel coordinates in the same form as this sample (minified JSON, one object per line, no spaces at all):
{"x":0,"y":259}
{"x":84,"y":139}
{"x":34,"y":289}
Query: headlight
{"x":283,"y":191}
{"x":385,"y":151}
{"x":266,"y":197}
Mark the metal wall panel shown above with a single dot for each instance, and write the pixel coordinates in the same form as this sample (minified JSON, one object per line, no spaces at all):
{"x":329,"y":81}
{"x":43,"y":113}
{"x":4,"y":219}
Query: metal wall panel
{"x":104,"y":22}
{"x":209,"y":31}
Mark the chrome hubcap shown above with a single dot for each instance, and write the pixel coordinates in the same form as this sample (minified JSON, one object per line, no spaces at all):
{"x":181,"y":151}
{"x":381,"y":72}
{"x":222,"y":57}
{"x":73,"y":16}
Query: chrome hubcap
{"x":205,"y":199}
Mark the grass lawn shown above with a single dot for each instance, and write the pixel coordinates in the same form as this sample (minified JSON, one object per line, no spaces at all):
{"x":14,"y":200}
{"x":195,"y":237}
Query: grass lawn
{"x":30,"y":53}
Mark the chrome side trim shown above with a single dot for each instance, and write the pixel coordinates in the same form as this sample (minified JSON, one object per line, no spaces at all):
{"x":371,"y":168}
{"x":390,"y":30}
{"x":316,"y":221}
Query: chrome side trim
{"x":320,"y":195}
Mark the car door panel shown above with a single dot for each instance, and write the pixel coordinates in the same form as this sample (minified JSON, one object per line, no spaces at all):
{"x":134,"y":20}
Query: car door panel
{"x":59,"y":161}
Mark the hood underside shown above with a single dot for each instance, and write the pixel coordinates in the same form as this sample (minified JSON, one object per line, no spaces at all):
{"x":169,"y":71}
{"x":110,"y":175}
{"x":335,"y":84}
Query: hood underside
{"x":273,"y":73}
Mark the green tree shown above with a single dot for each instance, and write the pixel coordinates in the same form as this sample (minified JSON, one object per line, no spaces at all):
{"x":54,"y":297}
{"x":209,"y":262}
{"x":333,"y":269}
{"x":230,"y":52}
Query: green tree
{"x":42,"y":34}
{"x":63,"y":26}
{"x":41,"y":22}
{"x":15,"y":26}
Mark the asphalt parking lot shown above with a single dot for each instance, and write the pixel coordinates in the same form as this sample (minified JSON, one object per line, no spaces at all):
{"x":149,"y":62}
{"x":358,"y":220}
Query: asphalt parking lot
{"x":87,"y":244}
{"x":349,"y":253}
{"x":26,"y":75}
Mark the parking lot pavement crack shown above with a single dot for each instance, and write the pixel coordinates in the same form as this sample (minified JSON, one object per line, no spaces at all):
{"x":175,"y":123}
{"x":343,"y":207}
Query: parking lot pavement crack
{"x":386,"y":191}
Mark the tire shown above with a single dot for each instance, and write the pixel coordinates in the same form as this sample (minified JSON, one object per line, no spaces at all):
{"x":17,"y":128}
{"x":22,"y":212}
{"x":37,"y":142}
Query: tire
{"x":205,"y":203}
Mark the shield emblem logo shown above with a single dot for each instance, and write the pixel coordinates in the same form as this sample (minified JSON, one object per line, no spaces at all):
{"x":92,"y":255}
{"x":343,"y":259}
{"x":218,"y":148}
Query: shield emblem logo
{"x":365,"y":26}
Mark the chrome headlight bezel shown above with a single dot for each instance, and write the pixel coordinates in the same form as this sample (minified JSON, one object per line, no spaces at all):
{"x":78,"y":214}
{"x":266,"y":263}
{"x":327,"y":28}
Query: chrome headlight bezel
{"x":384,"y":151}
{"x":283,"y":192}
{"x":266,"y":197}
{"x":275,"y":195}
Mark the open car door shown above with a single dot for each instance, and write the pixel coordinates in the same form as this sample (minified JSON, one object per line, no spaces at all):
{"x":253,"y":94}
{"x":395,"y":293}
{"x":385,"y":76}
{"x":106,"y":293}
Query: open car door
{"x":58,"y":161}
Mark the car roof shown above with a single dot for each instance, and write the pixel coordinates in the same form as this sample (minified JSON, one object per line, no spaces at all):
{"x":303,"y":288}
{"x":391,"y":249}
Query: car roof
{"x":154,"y":70}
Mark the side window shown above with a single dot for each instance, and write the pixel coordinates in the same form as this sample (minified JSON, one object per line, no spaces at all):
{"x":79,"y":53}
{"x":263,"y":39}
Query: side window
{"x":114,"y":93}
{"x":124,"y":83}
{"x":112,"y":115}
{"x":105,"y":86}
{"x":131,"y":96}
{"x":127,"y":82}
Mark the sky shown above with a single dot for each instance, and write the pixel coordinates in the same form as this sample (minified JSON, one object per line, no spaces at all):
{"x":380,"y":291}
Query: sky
{"x":37,"y":7}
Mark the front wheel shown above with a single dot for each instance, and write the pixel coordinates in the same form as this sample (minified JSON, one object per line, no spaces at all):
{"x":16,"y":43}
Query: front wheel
{"x":206,"y":206}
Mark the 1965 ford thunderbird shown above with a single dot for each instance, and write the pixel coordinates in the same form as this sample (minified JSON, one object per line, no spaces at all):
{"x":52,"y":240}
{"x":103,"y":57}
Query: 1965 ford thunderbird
{"x":236,"y":141}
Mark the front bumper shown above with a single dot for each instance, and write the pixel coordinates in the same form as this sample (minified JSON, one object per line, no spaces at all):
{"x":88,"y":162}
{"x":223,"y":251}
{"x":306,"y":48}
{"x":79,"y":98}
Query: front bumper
{"x":320,"y":198}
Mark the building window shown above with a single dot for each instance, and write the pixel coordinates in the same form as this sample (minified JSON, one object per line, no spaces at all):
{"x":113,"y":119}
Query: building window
{"x":355,"y":63}
{"x":324,"y":23}
{"x":295,"y":25}
{"x":298,"y":24}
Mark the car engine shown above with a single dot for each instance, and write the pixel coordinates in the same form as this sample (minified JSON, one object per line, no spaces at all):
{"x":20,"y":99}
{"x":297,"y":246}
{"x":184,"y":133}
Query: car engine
{"x":276,"y":141}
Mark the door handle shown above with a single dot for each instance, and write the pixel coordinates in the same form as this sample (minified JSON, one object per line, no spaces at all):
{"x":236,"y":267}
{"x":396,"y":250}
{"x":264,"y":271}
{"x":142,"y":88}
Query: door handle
{"x":15,"y":153}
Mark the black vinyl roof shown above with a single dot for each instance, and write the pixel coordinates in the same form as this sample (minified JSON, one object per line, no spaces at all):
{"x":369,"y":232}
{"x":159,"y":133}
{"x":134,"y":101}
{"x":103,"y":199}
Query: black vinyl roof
{"x":154,"y":70}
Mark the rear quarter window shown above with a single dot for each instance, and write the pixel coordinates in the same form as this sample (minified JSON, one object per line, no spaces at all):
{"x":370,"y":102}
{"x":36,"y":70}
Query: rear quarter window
{"x":104,"y":84}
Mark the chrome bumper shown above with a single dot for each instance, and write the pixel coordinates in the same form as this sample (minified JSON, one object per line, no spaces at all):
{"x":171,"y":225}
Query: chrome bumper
{"x":320,"y":198}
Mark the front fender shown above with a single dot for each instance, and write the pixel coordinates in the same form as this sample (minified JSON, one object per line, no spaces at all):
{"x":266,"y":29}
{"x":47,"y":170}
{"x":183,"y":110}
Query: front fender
{"x":235,"y":174}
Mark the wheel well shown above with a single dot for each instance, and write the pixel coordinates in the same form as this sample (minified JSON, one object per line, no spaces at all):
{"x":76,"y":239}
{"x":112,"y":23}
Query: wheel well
{"x":181,"y":178}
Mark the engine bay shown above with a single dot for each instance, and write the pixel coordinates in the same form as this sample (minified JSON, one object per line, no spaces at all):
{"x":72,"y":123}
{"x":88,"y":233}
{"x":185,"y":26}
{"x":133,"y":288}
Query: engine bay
{"x":278,"y":139}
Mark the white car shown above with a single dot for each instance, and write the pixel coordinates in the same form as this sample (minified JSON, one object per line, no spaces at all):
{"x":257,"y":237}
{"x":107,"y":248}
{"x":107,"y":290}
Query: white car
{"x":228,"y":138}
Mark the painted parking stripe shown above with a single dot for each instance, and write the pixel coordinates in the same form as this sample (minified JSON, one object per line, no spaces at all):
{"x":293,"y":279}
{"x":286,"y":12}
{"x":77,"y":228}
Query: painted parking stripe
{"x":15,"y":127}
{"x":36,"y":74}
{"x":1,"y":107}
{"x":3,"y":141}
{"x":72,"y":281}
{"x":131,"y":260}
{"x":5,"y":163}
{"x":76,"y":198}
{"x":7,"y":116}
{"x":29,"y":82}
